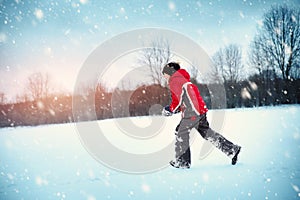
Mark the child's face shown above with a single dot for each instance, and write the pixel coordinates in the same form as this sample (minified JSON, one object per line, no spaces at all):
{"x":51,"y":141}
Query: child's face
{"x":167,"y":76}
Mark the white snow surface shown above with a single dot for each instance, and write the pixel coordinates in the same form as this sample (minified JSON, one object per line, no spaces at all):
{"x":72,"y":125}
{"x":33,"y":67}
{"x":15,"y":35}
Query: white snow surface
{"x":49,"y":162}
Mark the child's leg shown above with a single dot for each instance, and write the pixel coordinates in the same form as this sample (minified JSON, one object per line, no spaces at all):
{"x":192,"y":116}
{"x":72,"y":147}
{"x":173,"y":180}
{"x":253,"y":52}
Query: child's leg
{"x":182,"y":148}
{"x":215,"y":138}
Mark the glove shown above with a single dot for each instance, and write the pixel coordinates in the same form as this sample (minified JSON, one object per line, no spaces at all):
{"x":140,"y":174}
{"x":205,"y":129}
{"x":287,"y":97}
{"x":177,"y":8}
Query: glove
{"x":177,"y":110}
{"x":166,"y":111}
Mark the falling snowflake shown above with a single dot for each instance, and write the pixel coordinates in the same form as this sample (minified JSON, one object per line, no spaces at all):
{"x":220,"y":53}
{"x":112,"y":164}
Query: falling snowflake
{"x":242,"y":15}
{"x":10,"y":176}
{"x":253,"y":85}
{"x":40,"y":105}
{"x":172,"y":6}
{"x":91,"y":198}
{"x":146,"y":188}
{"x":287,"y":49}
{"x":245,"y":94}
{"x":48,"y":51}
{"x":83,"y":1}
{"x":122,"y":10}
{"x":40,"y":181}
{"x":52,"y":112}
{"x":3,"y":37}
{"x":205,"y":177}
{"x":296,"y":136}
{"x":260,"y":23}
{"x":39,"y":14}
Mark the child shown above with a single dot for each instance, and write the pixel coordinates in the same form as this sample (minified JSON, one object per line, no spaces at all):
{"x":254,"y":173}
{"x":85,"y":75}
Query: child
{"x":186,"y":98}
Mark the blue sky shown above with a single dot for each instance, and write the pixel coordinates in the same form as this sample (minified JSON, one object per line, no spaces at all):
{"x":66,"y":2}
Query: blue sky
{"x":57,"y":36}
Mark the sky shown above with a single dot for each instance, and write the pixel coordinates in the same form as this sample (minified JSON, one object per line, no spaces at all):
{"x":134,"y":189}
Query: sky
{"x":57,"y":36}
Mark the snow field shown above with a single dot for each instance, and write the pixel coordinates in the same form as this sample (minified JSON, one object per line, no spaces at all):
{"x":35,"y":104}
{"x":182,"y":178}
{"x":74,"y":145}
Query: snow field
{"x":49,"y":162}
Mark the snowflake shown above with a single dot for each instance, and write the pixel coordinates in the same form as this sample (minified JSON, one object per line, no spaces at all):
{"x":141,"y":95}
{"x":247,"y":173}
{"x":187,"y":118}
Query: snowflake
{"x":40,"y":181}
{"x":205,"y":177}
{"x":83,"y":1}
{"x":253,"y":85}
{"x":39,"y":14}
{"x":242,"y":15}
{"x":40,"y":105}
{"x":10,"y":176}
{"x":91,"y":198}
{"x":122,"y":10}
{"x":245,"y":94}
{"x":52,"y":112}
{"x":146,"y":188}
{"x":260,"y":23}
{"x":172,"y":6}
{"x":3,"y":37}
{"x":296,"y":136}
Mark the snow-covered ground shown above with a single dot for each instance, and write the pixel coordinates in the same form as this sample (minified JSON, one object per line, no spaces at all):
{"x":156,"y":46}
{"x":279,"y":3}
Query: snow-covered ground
{"x":50,"y":162}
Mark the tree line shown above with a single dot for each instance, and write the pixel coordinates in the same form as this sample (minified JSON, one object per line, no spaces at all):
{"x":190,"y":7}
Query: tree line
{"x":143,"y":101}
{"x":274,"y":58}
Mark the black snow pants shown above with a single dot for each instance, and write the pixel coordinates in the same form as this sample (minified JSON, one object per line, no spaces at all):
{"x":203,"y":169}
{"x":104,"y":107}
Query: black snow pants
{"x":182,"y":147}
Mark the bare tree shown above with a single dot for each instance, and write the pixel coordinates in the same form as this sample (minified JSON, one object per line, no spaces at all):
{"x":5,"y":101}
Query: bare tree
{"x":279,"y":37}
{"x":216,"y":75}
{"x":2,"y":98}
{"x":38,"y":85}
{"x":295,"y":71}
{"x":265,"y":76}
{"x":257,"y":56}
{"x":227,"y":64}
{"x":227,"y":69}
{"x":262,"y":61}
{"x":233,"y":63}
{"x":155,"y":57}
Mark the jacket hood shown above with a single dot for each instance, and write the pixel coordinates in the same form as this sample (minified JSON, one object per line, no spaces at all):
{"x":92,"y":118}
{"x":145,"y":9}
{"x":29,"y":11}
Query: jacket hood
{"x":181,"y":74}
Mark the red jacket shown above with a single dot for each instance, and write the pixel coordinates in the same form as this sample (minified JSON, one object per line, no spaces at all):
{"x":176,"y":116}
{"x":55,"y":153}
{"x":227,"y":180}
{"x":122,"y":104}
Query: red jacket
{"x":185,"y":93}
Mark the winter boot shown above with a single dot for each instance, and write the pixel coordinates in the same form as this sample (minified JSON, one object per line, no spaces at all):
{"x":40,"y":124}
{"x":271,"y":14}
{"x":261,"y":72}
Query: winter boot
{"x":180,"y":164}
{"x":235,"y":157}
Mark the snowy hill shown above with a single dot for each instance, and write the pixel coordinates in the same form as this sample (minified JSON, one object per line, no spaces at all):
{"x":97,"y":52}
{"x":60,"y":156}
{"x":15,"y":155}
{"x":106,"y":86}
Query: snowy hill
{"x":50,"y":162}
